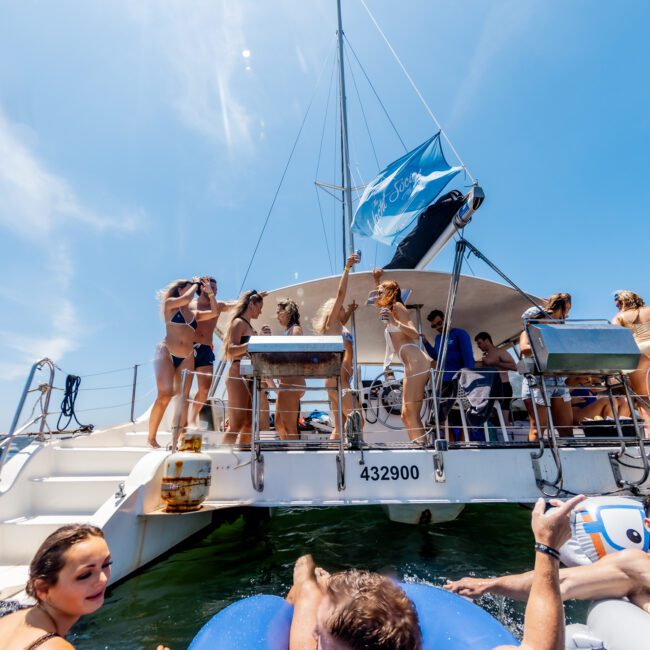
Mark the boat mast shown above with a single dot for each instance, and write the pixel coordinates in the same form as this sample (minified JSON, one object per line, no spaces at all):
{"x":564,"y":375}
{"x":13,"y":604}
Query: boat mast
{"x":348,"y":237}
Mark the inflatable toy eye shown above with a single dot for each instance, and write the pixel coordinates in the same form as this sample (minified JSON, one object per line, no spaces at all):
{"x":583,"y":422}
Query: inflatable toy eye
{"x":602,"y":525}
{"x":622,"y":527}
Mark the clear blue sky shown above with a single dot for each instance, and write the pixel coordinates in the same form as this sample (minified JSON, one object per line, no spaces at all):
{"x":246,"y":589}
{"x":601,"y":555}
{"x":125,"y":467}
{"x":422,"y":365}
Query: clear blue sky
{"x":138,"y":144}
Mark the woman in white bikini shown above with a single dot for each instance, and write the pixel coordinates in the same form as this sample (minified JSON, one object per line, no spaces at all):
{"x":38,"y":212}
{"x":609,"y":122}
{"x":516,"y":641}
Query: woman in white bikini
{"x":176,"y":352}
{"x":330,"y":320}
{"x":235,"y":347}
{"x":287,"y":406}
{"x":635,"y":315}
{"x":402,"y":340}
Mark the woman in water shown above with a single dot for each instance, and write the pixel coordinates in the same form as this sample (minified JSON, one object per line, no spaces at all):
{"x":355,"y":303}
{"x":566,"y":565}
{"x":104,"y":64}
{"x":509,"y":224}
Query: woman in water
{"x":634,"y":315}
{"x":330,"y":320}
{"x":402,"y":339}
{"x":287,"y":406}
{"x":557,"y":308}
{"x":235,"y":346}
{"x":67,"y":578}
{"x":176,"y":352}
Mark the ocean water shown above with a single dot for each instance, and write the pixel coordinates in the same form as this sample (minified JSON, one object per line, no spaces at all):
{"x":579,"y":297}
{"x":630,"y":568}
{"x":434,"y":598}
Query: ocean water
{"x":169,"y":601}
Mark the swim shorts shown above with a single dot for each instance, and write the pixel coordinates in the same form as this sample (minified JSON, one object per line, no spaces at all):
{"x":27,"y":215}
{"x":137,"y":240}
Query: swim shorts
{"x":204,"y":355}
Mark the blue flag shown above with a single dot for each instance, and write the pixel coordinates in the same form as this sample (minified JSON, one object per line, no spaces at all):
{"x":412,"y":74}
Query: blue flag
{"x":402,"y":191}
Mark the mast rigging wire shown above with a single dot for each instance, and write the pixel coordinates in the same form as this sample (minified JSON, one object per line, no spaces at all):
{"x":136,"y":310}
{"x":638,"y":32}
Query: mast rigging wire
{"x":320,"y":151}
{"x":365,"y":74}
{"x":419,"y":94}
{"x":284,"y":172}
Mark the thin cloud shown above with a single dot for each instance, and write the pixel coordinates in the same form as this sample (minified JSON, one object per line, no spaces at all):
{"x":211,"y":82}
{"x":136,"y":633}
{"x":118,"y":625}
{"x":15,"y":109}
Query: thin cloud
{"x":203,"y":42}
{"x":34,"y":200}
{"x":503,"y":22}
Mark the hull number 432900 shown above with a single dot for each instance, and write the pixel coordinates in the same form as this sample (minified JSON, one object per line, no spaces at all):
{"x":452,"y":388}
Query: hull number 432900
{"x":390,"y":473}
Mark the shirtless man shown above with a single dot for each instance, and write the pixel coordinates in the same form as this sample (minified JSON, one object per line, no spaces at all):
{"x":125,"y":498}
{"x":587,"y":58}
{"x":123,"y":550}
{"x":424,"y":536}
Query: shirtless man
{"x":354,"y":609}
{"x":494,"y":357}
{"x":204,"y":359}
{"x":624,"y":574}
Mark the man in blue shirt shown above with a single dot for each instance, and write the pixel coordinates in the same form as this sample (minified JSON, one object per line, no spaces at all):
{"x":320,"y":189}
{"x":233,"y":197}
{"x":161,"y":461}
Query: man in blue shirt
{"x":459,"y":346}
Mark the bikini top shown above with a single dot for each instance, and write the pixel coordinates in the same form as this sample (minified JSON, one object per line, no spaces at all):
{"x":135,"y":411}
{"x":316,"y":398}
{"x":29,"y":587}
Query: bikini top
{"x":347,"y":335}
{"x":41,"y":640}
{"x":179,"y":319}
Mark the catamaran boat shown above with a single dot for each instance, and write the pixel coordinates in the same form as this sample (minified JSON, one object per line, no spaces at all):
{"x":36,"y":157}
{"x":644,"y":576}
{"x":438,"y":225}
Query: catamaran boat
{"x":110,"y":478}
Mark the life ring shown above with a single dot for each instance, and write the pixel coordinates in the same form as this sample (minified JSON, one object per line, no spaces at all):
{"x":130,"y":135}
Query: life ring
{"x":263,"y":622}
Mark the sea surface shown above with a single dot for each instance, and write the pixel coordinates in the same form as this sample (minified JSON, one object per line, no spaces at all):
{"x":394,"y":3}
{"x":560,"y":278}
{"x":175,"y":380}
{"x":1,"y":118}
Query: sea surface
{"x":169,"y":601}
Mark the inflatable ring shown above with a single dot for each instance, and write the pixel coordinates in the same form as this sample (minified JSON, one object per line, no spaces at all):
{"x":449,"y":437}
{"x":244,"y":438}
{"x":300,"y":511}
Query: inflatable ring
{"x":603,"y":525}
{"x":447,"y":621}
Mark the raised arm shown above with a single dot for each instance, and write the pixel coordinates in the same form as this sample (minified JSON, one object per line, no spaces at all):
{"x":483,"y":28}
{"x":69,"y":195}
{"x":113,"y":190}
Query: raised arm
{"x":184,"y":298}
{"x":341,"y":291}
{"x":213,"y":312}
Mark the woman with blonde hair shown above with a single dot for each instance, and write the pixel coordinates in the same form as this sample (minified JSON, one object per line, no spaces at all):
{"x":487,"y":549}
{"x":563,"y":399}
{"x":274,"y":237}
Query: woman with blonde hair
{"x":287,"y":406}
{"x":635,"y":315}
{"x":176,"y":351}
{"x":402,"y":339}
{"x":330,"y":320}
{"x":557,"y":307}
{"x":235,"y":347}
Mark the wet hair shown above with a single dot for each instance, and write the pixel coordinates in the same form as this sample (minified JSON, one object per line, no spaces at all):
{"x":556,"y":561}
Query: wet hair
{"x":371,"y":611}
{"x":172,"y":290}
{"x":319,"y":322}
{"x":483,"y":336}
{"x":434,"y":314}
{"x":50,"y":557}
{"x":629,"y":299}
{"x":246,"y":299}
{"x":392,"y":294}
{"x":291,"y":307}
{"x":559,"y":301}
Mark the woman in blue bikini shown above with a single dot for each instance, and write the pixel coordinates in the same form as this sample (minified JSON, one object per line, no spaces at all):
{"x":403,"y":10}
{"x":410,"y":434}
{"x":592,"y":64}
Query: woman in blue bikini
{"x":176,"y":352}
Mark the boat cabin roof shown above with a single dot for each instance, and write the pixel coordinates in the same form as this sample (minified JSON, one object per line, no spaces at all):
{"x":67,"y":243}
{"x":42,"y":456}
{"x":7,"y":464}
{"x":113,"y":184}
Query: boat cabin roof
{"x":481,"y":305}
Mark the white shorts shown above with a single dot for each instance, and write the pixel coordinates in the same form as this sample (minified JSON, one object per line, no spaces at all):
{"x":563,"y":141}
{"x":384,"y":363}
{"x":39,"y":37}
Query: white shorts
{"x":555,"y":387}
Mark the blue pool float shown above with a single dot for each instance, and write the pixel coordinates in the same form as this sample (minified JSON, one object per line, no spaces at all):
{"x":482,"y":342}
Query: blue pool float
{"x":263,"y":622}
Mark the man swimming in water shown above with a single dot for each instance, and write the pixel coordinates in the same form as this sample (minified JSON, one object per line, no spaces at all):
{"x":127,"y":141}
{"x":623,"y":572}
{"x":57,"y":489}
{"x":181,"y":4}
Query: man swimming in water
{"x":355,"y":609}
{"x":624,"y":574}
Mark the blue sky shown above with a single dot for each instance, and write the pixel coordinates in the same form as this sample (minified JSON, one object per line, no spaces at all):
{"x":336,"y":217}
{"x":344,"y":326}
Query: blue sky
{"x":138,"y":144}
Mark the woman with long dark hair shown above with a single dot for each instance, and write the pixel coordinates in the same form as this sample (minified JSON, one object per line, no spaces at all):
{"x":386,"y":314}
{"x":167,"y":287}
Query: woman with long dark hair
{"x":176,"y":351}
{"x":402,"y":339}
{"x":235,"y":347}
{"x":287,"y":405}
{"x":67,"y":578}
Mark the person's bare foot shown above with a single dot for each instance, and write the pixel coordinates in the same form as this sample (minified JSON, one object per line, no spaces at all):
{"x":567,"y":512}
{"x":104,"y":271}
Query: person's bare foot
{"x":153,"y":443}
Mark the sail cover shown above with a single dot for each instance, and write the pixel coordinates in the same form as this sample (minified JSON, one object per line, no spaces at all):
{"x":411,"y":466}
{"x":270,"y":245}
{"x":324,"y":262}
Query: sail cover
{"x":400,"y":192}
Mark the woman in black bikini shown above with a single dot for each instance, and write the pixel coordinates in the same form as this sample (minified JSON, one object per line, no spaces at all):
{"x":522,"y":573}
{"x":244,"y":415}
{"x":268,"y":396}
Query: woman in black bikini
{"x":235,"y":346}
{"x":176,"y":352}
{"x":68,"y":578}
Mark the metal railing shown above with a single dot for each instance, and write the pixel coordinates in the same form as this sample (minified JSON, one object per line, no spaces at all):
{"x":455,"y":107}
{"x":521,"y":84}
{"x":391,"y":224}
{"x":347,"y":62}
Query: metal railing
{"x":42,"y":417}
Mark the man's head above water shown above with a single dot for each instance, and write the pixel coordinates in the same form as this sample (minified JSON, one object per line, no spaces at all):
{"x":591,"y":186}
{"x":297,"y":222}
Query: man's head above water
{"x":361,"y":609}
